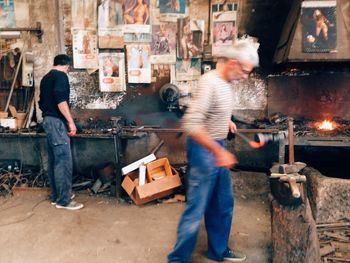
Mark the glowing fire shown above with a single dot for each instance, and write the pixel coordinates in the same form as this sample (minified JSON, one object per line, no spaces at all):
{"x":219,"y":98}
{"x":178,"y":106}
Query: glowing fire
{"x":327,"y":125}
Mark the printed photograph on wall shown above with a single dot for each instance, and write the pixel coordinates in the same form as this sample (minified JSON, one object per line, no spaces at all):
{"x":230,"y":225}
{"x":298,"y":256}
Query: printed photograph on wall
{"x":139,"y":66}
{"x":189,"y":69}
{"x":171,"y":10}
{"x":154,"y":12}
{"x":318,"y":20}
{"x":7,"y":14}
{"x":219,"y":6}
{"x":110,"y":13}
{"x":85,"y":52}
{"x":160,"y":71}
{"x":112,"y":72}
{"x":84,"y":14}
{"x":110,"y":38}
{"x":137,"y":38}
{"x":136,"y":16}
{"x":224,"y":30}
{"x":163,"y":47}
{"x":190,"y":39}
{"x":110,"y":24}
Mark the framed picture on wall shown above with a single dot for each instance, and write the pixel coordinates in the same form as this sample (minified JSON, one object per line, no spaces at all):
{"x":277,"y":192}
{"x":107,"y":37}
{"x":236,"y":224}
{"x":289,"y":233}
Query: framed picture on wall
{"x":319,"y":34}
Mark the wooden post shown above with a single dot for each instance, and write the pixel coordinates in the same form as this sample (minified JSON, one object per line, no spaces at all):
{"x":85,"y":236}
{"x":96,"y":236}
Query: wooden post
{"x":294,"y":235}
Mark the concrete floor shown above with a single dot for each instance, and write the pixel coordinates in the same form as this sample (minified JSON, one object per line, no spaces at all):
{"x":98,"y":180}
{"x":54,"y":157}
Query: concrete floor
{"x":31,"y":230}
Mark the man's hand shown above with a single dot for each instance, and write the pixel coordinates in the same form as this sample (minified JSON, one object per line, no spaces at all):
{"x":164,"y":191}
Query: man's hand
{"x":224,"y":158}
{"x":72,"y":130}
{"x":64,"y":109}
{"x":232,"y":127}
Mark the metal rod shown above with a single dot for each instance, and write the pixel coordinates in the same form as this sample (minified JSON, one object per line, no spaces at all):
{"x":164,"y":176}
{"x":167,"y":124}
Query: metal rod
{"x":31,"y":29}
{"x":158,"y":146}
{"x":291,"y":140}
{"x":38,"y":30}
{"x":243,"y":137}
{"x":146,"y":129}
{"x":117,"y":163}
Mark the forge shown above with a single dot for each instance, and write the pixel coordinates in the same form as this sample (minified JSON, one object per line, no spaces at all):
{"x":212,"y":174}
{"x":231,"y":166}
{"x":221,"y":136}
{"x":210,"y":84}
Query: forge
{"x":326,"y":152}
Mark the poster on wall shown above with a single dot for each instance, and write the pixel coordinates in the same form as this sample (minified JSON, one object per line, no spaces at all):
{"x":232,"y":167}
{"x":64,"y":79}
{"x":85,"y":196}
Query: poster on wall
{"x":171,"y":10}
{"x":219,"y":6}
{"x":110,"y":14}
{"x":163,"y":47}
{"x":84,"y":14}
{"x":139,"y":66}
{"x":191,"y":38}
{"x":7,"y":14}
{"x":112,"y":72}
{"x":136,"y":16}
{"x":85,"y":52}
{"x":110,"y":24}
{"x":318,"y":20}
{"x":110,"y":38}
{"x":224,"y":30}
{"x":189,"y":69}
{"x":155,"y":12}
{"x":137,"y":38}
{"x":160,"y":71}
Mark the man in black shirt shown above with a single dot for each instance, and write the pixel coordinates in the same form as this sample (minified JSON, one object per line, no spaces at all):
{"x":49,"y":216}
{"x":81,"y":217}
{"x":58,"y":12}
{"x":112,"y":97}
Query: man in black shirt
{"x":59,"y":125}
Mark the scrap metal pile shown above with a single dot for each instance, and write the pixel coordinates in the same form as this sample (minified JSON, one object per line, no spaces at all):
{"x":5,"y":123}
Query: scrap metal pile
{"x":12,"y":174}
{"x":334,"y":241}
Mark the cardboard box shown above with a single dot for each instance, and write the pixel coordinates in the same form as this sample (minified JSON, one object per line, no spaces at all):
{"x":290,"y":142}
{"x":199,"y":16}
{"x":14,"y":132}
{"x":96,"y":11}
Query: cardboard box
{"x":158,"y":169}
{"x":135,"y":165}
{"x":152,"y":190}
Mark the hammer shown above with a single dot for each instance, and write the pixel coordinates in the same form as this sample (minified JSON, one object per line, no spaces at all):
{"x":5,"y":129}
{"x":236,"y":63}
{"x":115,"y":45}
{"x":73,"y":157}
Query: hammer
{"x":292,"y":180}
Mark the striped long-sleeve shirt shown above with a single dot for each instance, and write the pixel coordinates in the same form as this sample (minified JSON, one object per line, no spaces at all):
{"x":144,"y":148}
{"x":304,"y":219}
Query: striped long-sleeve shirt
{"x":211,"y":106}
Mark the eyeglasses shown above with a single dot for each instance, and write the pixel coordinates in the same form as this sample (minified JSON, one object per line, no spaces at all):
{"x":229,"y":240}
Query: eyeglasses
{"x":244,"y":71}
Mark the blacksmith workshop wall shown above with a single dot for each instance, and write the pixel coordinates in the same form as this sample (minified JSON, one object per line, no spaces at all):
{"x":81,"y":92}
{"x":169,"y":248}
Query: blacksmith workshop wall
{"x":141,"y":103}
{"x":28,"y":13}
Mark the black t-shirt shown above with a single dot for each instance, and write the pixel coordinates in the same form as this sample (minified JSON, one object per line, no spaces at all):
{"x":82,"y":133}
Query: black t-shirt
{"x":54,"y":89}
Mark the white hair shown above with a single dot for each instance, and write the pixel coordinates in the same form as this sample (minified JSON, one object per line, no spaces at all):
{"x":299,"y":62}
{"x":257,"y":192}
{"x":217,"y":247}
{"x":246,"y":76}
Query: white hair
{"x":244,"y":49}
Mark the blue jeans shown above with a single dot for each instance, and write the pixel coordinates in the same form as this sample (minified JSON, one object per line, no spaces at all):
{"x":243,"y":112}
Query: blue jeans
{"x":60,"y":164}
{"x":209,"y":194}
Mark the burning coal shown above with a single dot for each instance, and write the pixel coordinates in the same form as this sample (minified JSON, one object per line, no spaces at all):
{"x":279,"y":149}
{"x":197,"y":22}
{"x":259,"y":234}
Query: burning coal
{"x":326,"y":125}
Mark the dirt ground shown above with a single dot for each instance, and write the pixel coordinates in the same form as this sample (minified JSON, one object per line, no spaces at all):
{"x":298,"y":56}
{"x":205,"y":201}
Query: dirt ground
{"x":31,"y":230}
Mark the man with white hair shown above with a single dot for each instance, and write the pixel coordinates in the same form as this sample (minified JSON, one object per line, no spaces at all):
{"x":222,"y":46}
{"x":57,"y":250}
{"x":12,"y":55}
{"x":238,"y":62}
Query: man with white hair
{"x":209,"y":183}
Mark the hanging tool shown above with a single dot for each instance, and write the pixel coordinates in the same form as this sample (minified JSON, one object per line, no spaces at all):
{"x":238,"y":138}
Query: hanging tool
{"x":116,"y":129}
{"x":14,"y":81}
